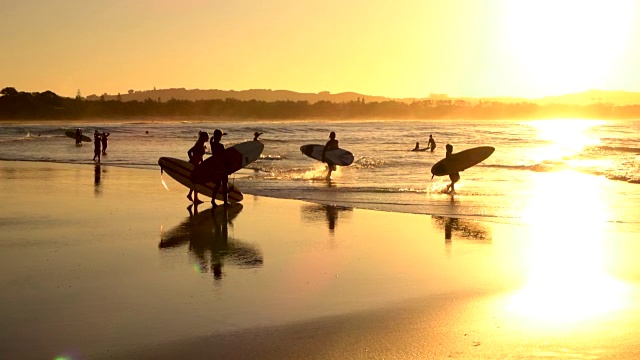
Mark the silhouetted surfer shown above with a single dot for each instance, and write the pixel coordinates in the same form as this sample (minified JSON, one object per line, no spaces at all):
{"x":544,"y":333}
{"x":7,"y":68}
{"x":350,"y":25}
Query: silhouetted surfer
{"x":196,"y":153}
{"x":104,"y":137}
{"x":417,"y":148}
{"x":96,"y":145}
{"x":432,"y":143}
{"x":453,"y":176}
{"x":221,"y":178}
{"x":78,"y":136}
{"x":255,"y":136}
{"x":332,"y":144}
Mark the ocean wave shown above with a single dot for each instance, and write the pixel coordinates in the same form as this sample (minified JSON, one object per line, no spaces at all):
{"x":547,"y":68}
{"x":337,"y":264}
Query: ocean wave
{"x":623,"y":149}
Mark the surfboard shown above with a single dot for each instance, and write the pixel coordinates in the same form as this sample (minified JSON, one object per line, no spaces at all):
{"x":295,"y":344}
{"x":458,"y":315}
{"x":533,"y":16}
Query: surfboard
{"x":462,"y":160}
{"x":72,"y":134}
{"x":180,"y":171}
{"x":340,"y":157}
{"x":235,"y":158}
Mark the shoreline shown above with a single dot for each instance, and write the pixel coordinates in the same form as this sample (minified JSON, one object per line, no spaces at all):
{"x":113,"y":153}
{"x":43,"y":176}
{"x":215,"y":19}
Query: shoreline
{"x":105,"y":263}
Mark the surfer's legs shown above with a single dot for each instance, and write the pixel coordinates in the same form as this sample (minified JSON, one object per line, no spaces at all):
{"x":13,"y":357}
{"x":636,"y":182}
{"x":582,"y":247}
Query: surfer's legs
{"x":330,"y":167}
{"x":455,"y":177}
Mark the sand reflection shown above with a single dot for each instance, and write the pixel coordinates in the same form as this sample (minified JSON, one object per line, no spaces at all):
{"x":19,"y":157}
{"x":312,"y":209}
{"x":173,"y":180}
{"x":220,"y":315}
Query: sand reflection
{"x":567,"y":281}
{"x":206,"y":233}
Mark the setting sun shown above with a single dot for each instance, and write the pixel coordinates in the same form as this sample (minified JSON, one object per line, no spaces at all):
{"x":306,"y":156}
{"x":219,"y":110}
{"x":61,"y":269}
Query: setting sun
{"x":566,"y":46}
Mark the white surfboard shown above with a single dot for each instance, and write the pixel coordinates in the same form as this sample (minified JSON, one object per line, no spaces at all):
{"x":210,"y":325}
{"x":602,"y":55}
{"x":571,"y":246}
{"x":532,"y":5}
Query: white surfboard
{"x":234,"y":158}
{"x":180,"y":171}
{"x":340,"y":157}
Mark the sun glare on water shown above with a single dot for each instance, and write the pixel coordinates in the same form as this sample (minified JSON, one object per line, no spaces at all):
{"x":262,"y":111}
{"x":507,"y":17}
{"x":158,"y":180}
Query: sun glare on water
{"x":562,"y":138}
{"x":567,"y":281}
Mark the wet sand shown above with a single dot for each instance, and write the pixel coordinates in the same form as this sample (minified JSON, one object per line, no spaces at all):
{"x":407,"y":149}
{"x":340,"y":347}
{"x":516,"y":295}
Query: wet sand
{"x":104,"y":263}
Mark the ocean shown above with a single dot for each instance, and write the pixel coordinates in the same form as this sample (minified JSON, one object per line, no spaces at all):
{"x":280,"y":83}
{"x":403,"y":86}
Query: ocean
{"x":543,"y":170}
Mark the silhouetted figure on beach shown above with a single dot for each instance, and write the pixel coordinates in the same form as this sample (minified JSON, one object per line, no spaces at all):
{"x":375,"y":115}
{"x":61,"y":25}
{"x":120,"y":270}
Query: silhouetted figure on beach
{"x":196,"y":154}
{"x":455,"y":177}
{"x":96,"y":145}
{"x":332,"y":144}
{"x":105,"y":142}
{"x":221,"y":178}
{"x":432,"y":143}
{"x":256,"y":135}
{"x":78,"y":137}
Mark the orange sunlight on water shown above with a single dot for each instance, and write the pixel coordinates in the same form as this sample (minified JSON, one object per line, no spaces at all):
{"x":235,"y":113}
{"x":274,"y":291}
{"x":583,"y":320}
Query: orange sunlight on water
{"x":567,"y":278}
{"x":565,"y":137}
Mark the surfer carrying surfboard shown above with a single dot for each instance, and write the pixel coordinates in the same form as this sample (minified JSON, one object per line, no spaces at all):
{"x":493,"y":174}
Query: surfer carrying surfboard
{"x":332,"y":144}
{"x":196,"y":154}
{"x":221,"y":178}
{"x":455,"y":176}
{"x":96,"y":145}
{"x":78,"y":137}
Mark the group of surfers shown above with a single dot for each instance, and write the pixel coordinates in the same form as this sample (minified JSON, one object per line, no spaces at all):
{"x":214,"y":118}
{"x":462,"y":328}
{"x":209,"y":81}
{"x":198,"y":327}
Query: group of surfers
{"x":100,"y":142}
{"x":197,"y":151}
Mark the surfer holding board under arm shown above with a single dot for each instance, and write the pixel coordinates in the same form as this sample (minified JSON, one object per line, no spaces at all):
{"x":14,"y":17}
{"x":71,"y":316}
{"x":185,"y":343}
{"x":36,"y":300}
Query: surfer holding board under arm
{"x":452,"y":164}
{"x":332,"y":144}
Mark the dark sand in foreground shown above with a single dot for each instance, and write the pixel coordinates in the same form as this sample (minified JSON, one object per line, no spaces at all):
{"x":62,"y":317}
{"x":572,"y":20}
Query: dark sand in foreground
{"x":103,"y":262}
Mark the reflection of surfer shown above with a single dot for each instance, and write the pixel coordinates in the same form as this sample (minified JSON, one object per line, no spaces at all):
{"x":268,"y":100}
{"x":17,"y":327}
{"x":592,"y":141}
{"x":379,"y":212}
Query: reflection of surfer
{"x":78,"y":136}
{"x":332,"y":144}
{"x":220,"y":178}
{"x":453,"y":176}
{"x":432,"y":143}
{"x":96,"y":145}
{"x":196,"y":153}
{"x":104,"y":137}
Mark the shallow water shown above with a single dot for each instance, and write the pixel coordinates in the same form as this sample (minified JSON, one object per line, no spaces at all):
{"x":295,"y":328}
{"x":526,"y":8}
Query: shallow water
{"x":566,"y":165}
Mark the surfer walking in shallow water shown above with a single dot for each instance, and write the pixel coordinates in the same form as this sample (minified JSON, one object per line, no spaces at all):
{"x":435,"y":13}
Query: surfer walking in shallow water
{"x":332,"y":144}
{"x":96,"y":145}
{"x":105,"y":142}
{"x":221,"y":178}
{"x":454,"y":177}
{"x":196,"y":154}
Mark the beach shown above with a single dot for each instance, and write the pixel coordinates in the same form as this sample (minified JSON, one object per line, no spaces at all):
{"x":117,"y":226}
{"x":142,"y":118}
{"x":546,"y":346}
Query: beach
{"x":102,"y":262}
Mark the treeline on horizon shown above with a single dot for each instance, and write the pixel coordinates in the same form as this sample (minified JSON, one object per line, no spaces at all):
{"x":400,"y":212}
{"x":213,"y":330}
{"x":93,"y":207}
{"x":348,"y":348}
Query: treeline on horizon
{"x":15,"y":105}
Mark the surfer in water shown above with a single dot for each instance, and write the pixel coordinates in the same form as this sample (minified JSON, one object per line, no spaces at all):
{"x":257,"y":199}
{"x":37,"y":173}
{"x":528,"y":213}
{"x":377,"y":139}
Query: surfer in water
{"x":217,"y":149}
{"x":196,"y":153}
{"x":96,"y":145}
{"x":432,"y":143}
{"x":417,"y":148}
{"x":78,"y":137}
{"x":104,"y":137}
{"x":455,"y":177}
{"x":255,"y":136}
{"x":332,"y":144}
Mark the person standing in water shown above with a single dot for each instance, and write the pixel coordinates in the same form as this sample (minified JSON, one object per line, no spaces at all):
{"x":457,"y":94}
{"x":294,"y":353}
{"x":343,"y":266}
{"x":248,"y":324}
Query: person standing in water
{"x":221,"y":178}
{"x":332,"y":144}
{"x":454,"y":177}
{"x":104,"y":142}
{"x":432,"y":143}
{"x":196,"y":154}
{"x":78,"y":137}
{"x":256,"y":135}
{"x":96,"y":145}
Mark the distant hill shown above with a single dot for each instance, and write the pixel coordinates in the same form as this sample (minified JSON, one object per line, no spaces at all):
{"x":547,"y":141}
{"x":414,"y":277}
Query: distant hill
{"x":245,"y":95}
{"x":618,"y":98}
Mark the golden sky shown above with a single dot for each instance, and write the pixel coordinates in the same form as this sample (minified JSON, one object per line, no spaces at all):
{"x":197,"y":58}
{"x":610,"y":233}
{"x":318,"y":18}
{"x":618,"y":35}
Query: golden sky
{"x":401,"y":48}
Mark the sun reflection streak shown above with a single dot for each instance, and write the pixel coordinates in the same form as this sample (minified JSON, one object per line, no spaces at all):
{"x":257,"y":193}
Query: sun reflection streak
{"x":565,"y":137}
{"x":567,"y":279}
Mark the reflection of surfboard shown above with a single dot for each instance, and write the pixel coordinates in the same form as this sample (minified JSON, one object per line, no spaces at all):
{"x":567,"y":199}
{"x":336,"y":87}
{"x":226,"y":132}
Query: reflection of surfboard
{"x":180,"y":171}
{"x":72,"y":134}
{"x":462,"y":160}
{"x":340,"y":157}
{"x":235,"y":158}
